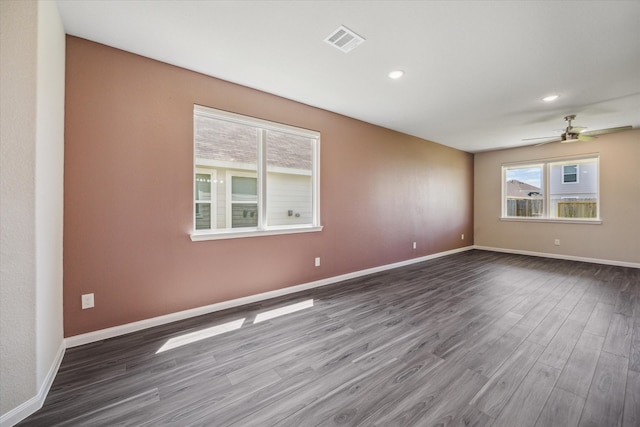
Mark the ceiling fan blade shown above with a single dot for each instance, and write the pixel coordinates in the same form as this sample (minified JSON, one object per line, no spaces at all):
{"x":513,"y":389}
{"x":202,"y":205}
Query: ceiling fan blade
{"x":604,"y":131}
{"x":548,"y":142}
{"x":540,"y":137}
{"x":582,"y":137}
{"x":566,"y":141}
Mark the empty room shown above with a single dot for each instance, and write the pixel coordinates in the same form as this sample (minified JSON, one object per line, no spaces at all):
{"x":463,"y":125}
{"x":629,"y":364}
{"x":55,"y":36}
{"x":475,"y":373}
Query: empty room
{"x":320,"y":213}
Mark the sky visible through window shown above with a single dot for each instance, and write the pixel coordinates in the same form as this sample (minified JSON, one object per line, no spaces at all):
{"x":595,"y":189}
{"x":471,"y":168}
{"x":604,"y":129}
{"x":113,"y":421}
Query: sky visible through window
{"x":531,"y":176}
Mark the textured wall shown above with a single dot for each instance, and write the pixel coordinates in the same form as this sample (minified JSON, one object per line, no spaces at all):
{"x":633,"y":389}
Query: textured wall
{"x":18,"y":52}
{"x":616,"y":239}
{"x":128,"y":194}
{"x":32,"y":114}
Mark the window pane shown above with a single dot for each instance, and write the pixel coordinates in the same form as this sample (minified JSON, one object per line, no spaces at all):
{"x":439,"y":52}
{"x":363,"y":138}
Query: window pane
{"x":523,"y":191}
{"x":203,"y":216}
{"x":573,"y":189}
{"x":289,"y":179}
{"x":244,"y":215}
{"x":226,"y":148}
{"x":570,"y":173}
{"x":244,"y":189}
{"x":225,"y":143}
{"x":203,"y":186}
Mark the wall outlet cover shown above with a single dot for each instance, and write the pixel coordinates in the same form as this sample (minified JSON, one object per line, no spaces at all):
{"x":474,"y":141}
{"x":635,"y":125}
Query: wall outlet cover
{"x":87,"y":301}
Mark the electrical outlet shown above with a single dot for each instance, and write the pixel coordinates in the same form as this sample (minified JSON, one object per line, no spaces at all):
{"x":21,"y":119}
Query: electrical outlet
{"x":556,"y":242}
{"x":317,"y":261}
{"x":414,"y":245}
{"x":462,"y":237}
{"x":87,"y":301}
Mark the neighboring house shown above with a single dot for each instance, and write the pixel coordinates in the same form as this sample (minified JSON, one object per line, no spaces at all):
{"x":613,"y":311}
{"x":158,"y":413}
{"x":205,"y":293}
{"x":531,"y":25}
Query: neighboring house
{"x":578,"y":180}
{"x":573,"y":189}
{"x":523,"y":199}
{"x":517,"y":189}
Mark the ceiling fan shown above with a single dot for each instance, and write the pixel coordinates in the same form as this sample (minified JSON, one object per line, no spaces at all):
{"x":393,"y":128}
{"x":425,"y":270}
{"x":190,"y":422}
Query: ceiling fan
{"x":577,"y":133}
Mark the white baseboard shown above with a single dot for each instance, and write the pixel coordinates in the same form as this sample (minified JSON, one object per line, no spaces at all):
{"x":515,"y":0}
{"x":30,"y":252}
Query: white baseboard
{"x":27,"y":408}
{"x":559,"y":256}
{"x":161,"y":320}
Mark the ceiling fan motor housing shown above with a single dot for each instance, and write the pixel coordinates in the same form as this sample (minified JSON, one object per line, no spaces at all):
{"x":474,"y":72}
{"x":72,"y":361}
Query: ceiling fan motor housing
{"x":570,"y":136}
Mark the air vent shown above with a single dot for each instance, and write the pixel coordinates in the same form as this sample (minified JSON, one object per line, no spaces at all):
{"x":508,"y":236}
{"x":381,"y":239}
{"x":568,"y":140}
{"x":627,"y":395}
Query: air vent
{"x":344,"y":39}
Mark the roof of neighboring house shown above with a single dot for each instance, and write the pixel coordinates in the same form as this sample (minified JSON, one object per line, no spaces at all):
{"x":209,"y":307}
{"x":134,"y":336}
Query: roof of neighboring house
{"x":517,"y":188}
{"x":231,"y":142}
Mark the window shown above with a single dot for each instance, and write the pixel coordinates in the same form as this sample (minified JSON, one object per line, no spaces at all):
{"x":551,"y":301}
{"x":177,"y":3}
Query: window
{"x":561,"y":189}
{"x":569,"y":174}
{"x":204,"y":200}
{"x":523,"y":190}
{"x":242,"y":211}
{"x":253,"y":177}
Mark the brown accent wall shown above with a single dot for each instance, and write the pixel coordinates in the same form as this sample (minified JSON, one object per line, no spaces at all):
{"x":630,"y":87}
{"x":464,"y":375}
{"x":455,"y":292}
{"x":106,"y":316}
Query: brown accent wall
{"x":129,"y":207}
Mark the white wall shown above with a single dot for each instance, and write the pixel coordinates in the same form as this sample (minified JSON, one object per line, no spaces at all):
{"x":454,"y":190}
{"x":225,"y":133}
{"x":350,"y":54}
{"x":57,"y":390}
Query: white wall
{"x":616,"y":240}
{"x":18,"y":48}
{"x":32,"y":49}
{"x":49,"y":186}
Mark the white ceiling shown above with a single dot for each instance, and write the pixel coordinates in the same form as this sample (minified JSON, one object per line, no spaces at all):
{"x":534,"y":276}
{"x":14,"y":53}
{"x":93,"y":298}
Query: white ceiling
{"x":475,"y":70}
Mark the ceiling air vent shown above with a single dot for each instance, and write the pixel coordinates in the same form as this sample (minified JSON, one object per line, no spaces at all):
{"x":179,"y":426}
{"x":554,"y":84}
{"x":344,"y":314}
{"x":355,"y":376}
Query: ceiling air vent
{"x":344,"y":39}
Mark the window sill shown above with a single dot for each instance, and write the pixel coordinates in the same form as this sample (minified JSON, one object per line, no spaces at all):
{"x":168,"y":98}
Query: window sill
{"x":240,"y":234}
{"x":555,"y":220}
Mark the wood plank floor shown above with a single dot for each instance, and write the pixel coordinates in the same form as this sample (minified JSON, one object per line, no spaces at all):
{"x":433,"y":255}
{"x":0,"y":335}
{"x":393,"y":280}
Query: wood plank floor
{"x":472,"y":339}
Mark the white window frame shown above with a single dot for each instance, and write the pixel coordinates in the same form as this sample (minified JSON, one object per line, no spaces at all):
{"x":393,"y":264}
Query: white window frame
{"x":546,"y":187}
{"x":263,"y":229}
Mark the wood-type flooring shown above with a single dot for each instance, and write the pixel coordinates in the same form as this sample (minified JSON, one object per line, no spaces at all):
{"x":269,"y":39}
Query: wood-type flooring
{"x":472,"y":339}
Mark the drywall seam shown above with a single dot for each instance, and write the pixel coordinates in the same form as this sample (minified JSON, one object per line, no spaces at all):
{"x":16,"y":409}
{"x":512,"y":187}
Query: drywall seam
{"x":115,"y":331}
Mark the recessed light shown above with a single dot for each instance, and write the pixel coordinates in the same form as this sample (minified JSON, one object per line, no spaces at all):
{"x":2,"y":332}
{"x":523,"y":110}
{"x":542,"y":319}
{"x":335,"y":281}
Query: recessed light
{"x":550,"y":98}
{"x":396,"y":74}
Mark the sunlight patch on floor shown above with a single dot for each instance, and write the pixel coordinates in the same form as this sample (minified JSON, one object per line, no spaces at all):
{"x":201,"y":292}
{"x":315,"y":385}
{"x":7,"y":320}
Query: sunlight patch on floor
{"x":192,"y":337}
{"x":291,"y":308}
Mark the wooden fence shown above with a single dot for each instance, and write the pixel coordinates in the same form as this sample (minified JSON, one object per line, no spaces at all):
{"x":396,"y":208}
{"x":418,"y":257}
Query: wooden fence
{"x":528,"y":207}
{"x":576,"y":209}
{"x":524,"y":207}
